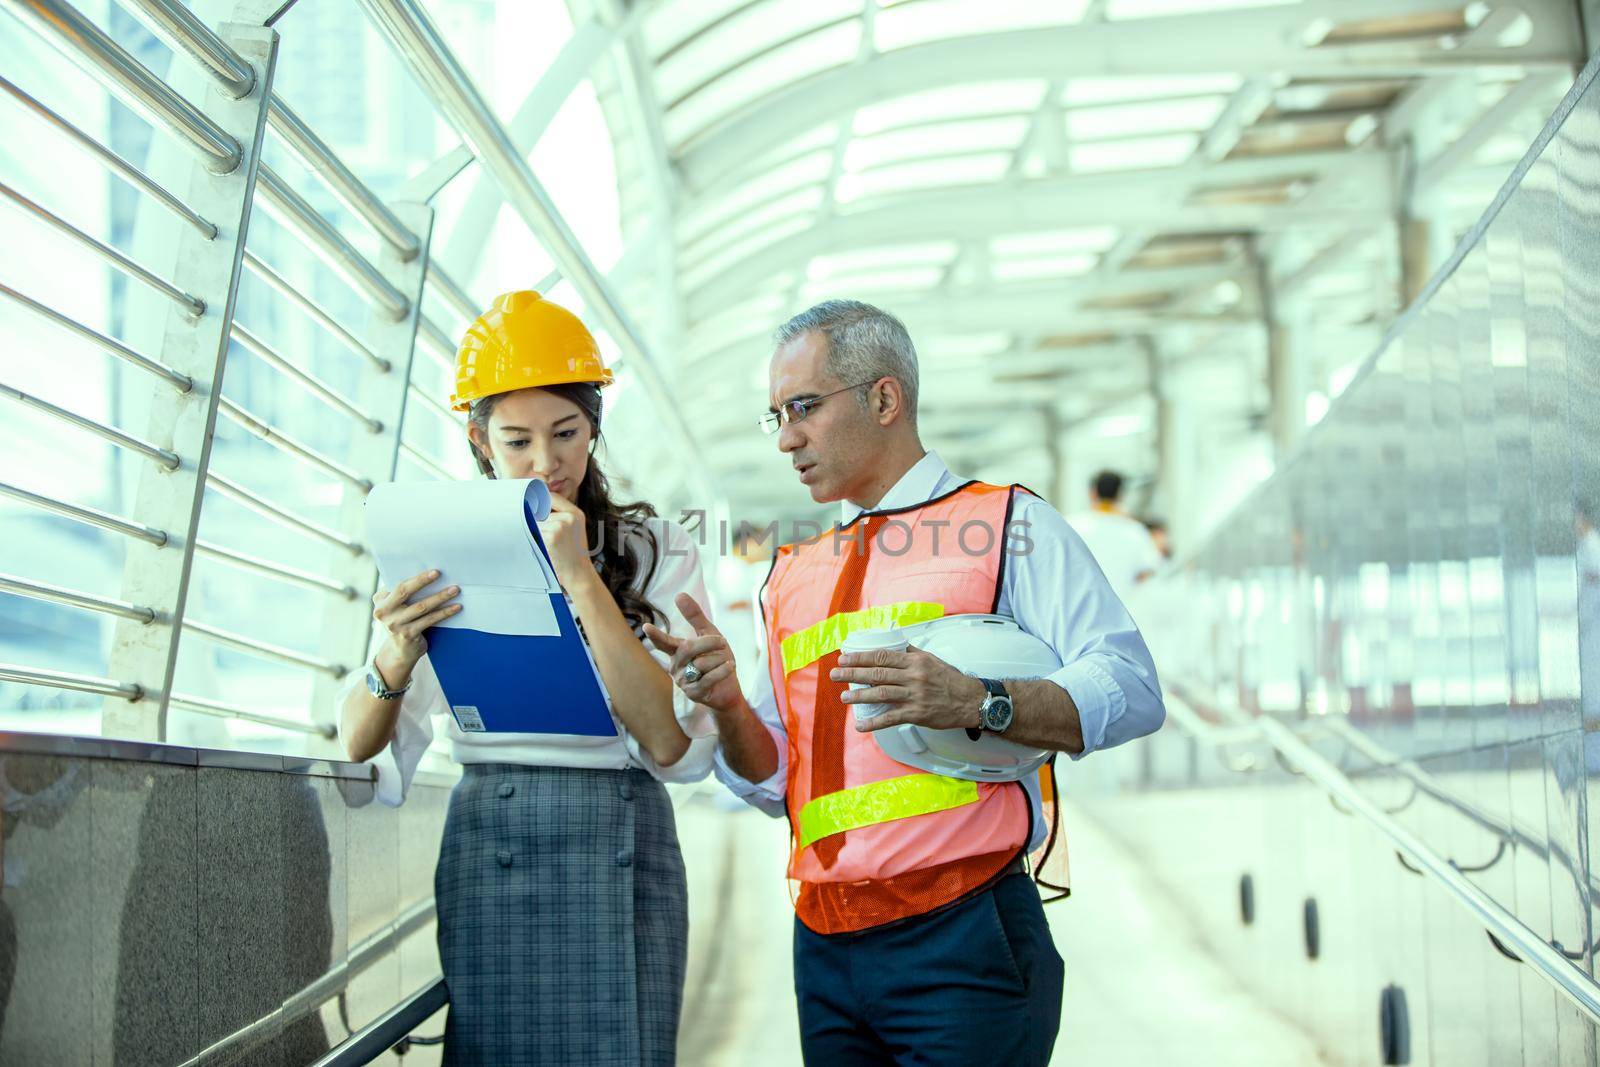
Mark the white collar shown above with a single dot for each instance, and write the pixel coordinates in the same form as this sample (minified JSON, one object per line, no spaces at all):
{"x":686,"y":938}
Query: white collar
{"x":916,"y":486}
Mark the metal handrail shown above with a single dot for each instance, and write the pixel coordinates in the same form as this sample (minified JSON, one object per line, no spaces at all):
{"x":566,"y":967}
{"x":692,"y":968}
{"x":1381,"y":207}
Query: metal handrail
{"x":433,"y":343}
{"x":278,"y":282}
{"x":57,"y":594}
{"x":451,"y":290}
{"x":388,"y":1029}
{"x":115,"y":257}
{"x":270,"y":569}
{"x":127,"y":171}
{"x":174,"y":21}
{"x":91,"y":48}
{"x":222,"y":710}
{"x":78,"y":683}
{"x":361,"y":956}
{"x":329,"y":243}
{"x":416,"y":40}
{"x":310,"y":382}
{"x":432,"y":404}
{"x":289,"y":446}
{"x":87,"y":515}
{"x":315,"y":154}
{"x":182,"y":382}
{"x":267,"y":509}
{"x":165,"y":457}
{"x":422,"y":460}
{"x":1502,"y":925}
{"x":256,"y":647}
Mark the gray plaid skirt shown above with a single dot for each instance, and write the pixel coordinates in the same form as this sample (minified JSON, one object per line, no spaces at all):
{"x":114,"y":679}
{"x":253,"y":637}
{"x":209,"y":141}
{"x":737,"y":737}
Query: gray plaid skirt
{"x":563,"y":918}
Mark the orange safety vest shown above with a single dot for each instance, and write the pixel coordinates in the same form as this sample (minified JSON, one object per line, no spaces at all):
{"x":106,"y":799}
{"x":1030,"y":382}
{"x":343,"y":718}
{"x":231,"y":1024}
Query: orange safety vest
{"x":874,"y":840}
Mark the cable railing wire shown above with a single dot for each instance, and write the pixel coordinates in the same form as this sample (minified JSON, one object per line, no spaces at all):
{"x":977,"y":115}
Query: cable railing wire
{"x":125,"y":170}
{"x":270,"y":569}
{"x":115,"y":257}
{"x":316,"y":155}
{"x":56,"y":594}
{"x":86,"y":515}
{"x":325,"y":239}
{"x":284,"y":287}
{"x":110,"y":345}
{"x":165,"y":457}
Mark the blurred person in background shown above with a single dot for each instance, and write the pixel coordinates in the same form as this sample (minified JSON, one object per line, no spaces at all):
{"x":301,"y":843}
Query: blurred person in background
{"x":563,"y":914}
{"x":1119,"y":543}
{"x":1160,"y":536}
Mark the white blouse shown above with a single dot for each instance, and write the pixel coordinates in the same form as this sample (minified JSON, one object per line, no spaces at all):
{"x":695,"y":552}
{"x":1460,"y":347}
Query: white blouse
{"x":678,"y":571}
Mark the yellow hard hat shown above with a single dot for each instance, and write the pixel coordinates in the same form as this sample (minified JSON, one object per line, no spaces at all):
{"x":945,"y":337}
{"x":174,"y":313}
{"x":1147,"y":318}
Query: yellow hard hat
{"x":521,"y":342}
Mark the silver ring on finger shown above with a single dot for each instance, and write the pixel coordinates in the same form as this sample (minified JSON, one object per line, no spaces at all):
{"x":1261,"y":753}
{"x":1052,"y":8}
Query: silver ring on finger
{"x":691,"y":674}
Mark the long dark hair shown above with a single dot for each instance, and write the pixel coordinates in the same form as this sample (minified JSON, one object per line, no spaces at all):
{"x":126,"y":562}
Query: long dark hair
{"x":618,"y":556}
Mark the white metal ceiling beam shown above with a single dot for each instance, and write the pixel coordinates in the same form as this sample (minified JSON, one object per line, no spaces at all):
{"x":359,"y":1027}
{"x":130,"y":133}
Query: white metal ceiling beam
{"x":1530,"y":90}
{"x":1264,"y":41}
{"x":1148,"y":200}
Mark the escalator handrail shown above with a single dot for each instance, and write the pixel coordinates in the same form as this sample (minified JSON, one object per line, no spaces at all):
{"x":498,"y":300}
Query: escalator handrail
{"x":388,"y":1029}
{"x":1503,"y":926}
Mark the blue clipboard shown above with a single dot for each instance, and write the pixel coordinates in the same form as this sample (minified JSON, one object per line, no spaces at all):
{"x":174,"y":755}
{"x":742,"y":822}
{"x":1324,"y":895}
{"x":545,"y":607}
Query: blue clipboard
{"x":503,"y":683}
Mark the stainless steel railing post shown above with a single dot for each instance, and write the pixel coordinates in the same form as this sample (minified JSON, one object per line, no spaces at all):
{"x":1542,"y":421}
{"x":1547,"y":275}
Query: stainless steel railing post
{"x":184,"y":422}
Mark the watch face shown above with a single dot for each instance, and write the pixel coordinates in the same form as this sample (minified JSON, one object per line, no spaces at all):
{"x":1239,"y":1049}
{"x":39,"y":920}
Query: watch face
{"x":997,"y":714}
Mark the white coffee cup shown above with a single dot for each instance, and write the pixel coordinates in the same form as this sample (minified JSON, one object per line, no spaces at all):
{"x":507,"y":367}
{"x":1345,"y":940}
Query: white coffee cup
{"x":892,"y":638}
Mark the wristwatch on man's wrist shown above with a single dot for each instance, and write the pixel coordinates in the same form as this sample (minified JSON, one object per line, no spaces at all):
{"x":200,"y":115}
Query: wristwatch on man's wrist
{"x":380,"y":689}
{"x":996,"y":711}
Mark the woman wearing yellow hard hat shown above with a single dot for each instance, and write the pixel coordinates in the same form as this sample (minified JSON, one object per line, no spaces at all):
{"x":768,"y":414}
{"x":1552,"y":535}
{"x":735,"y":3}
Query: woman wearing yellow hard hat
{"x":560,"y":885}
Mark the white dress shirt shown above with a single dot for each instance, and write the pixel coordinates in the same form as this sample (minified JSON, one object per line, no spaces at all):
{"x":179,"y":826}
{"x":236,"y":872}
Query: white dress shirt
{"x":678,"y":572}
{"x":1054,"y":592}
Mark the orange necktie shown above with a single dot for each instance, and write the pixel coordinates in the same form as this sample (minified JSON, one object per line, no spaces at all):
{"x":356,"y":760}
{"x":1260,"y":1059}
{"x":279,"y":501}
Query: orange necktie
{"x":832,"y":717}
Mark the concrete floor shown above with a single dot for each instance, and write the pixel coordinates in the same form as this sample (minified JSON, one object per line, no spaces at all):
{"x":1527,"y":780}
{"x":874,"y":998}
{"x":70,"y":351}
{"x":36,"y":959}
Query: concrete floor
{"x":1141,"y":989}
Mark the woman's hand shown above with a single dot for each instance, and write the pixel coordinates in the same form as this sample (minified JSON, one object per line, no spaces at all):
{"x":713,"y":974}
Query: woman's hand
{"x":566,"y":537}
{"x":406,"y":622}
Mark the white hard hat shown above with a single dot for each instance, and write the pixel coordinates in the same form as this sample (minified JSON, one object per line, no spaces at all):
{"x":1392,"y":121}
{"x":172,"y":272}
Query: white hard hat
{"x":985,"y":646}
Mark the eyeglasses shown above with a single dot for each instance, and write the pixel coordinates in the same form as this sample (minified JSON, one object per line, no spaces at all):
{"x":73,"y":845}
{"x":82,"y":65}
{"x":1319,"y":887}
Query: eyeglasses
{"x":795,"y":410}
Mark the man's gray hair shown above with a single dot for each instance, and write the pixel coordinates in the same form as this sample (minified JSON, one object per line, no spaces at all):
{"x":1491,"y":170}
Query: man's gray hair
{"x":865,"y":343}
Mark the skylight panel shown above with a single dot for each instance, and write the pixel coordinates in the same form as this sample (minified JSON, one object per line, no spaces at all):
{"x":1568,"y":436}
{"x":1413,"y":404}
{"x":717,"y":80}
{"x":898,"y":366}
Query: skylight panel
{"x":780,"y":181}
{"x":1148,"y":9}
{"x":1063,"y":266}
{"x":923,"y":174}
{"x":943,"y":139}
{"x":1084,"y":91}
{"x":734,"y":251}
{"x":1134,"y":120}
{"x":810,"y":55}
{"x":731,"y":42}
{"x":1047,"y":242}
{"x":951,"y":102}
{"x":902,"y":279}
{"x":673,"y":23}
{"x":1133,"y":154}
{"x":928,"y":253}
{"x":933,"y":20}
{"x":733,"y":228}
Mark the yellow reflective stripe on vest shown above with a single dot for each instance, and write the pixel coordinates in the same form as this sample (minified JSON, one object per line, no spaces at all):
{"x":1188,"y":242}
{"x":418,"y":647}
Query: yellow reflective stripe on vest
{"x":885,"y":801}
{"x":805,"y":647}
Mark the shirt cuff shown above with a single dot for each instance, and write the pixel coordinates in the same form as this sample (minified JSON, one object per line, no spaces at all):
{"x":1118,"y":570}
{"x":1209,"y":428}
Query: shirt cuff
{"x":1098,"y":697}
{"x":766,"y":796}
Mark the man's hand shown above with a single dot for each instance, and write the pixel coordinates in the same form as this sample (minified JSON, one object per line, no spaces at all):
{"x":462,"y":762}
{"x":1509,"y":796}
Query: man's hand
{"x":917,"y":687}
{"x":717,"y":686}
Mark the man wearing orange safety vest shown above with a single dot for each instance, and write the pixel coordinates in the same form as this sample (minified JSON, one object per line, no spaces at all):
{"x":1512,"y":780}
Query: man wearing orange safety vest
{"x":919,"y":937}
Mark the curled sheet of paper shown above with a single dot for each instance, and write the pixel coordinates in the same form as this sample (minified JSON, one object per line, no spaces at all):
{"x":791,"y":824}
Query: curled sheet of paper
{"x":477,"y":534}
